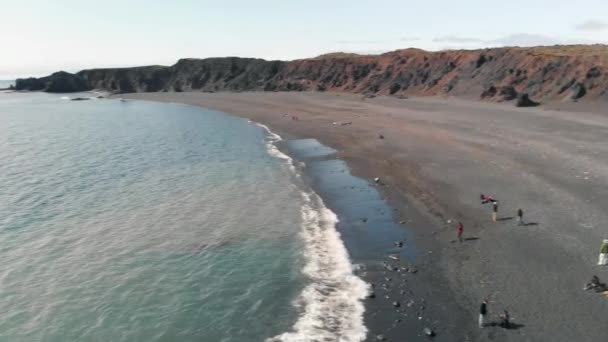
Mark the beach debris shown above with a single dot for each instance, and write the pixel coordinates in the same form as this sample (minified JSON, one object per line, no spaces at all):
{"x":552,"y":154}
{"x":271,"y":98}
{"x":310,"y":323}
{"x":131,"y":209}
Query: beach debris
{"x":377,"y":180}
{"x":429,"y":332}
{"x":380,"y":337}
{"x":396,"y":304}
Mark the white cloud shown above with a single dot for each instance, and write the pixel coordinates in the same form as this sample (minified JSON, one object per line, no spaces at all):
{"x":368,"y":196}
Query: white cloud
{"x":525,"y":39}
{"x":592,"y":25}
{"x":457,"y":39}
{"x":357,"y":42}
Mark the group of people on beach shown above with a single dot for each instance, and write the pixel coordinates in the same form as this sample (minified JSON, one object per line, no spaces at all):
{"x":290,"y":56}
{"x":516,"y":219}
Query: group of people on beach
{"x":504,"y":316}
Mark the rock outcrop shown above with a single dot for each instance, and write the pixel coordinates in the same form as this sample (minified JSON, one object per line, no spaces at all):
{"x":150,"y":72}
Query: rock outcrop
{"x":501,"y":74}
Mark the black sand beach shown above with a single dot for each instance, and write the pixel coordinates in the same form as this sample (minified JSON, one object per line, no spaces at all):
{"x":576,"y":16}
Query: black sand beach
{"x":434,"y":158}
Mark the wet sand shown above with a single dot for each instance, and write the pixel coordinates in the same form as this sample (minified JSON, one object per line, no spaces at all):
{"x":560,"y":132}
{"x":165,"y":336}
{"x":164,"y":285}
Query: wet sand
{"x":436,"y":157}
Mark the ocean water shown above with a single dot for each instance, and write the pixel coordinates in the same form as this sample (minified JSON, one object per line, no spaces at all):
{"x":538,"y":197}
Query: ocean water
{"x":138,"y":221}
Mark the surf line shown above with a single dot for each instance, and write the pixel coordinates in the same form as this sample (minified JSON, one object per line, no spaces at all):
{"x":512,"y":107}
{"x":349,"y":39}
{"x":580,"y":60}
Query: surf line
{"x":331,"y":305}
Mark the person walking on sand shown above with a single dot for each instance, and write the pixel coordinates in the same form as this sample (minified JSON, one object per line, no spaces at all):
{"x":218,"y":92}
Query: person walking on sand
{"x":483,"y":311}
{"x":494,"y":211}
{"x":603,"y":259}
{"x":459,"y":231}
{"x":520,"y":217}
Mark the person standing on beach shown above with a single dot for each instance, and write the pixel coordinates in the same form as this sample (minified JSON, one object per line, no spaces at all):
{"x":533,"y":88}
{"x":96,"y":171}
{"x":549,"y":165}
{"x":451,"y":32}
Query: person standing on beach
{"x":603,"y":259}
{"x":483,"y":310}
{"x":459,"y":231}
{"x":520,"y":217}
{"x":494,"y":211}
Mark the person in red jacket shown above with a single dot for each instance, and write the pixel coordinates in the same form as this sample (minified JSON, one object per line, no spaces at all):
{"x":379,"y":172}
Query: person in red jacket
{"x":486,"y":199}
{"x":459,"y":231}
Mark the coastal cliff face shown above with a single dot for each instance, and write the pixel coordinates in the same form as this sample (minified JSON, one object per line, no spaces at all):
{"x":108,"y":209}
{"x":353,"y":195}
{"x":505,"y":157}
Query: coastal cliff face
{"x":501,"y":74}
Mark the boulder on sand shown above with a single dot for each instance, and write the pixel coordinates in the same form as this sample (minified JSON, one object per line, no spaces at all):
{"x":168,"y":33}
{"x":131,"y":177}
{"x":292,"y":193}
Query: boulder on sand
{"x":523,"y":100}
{"x":508,"y":93}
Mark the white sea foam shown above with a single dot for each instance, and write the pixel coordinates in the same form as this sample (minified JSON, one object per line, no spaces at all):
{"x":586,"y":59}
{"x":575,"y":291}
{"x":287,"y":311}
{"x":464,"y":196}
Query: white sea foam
{"x":332,"y":304}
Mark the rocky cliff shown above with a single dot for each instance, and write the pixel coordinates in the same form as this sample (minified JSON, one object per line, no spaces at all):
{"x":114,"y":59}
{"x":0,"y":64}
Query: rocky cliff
{"x":501,"y":74}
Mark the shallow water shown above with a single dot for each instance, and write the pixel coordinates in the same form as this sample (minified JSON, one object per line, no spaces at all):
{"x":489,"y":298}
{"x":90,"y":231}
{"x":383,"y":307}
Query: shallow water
{"x":136,"y":221}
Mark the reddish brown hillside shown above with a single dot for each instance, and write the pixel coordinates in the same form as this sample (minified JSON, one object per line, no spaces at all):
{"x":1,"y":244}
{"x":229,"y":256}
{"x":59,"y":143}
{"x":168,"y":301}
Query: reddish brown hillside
{"x":541,"y":73}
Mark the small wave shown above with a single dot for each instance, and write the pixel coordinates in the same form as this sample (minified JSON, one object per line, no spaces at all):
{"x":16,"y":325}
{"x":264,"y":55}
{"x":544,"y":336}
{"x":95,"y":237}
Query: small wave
{"x":332,"y":304}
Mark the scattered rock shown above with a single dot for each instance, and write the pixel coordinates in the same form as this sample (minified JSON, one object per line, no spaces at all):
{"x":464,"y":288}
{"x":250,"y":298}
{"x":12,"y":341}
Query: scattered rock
{"x":480,"y":61}
{"x":593,"y":72}
{"x":578,"y":91}
{"x":371,"y":295}
{"x":80,"y":99}
{"x":380,"y":337}
{"x":377,"y":180}
{"x":401,"y":222}
{"x":364,"y":220}
{"x":429,"y":332}
{"x":396,"y":304}
{"x":508,"y":93}
{"x":490,"y":92}
{"x":381,"y":136}
{"x":394,"y":256}
{"x":523,"y":100}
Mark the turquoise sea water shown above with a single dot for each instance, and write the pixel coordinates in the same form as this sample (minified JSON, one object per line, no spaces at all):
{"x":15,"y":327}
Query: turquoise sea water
{"x":136,"y":221}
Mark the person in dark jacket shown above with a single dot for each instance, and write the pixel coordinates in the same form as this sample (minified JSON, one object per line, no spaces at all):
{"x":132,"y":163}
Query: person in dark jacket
{"x":505,"y":320}
{"x":483,"y":311}
{"x":520,"y":217}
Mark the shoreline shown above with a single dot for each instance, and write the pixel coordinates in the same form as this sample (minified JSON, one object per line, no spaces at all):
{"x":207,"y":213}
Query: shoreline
{"x":369,"y":231}
{"x":410,"y":280}
{"x":435,"y":157}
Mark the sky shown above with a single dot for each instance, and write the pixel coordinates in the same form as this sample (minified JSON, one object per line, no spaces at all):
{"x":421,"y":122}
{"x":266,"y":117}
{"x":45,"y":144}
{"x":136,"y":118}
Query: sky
{"x":41,"y":37}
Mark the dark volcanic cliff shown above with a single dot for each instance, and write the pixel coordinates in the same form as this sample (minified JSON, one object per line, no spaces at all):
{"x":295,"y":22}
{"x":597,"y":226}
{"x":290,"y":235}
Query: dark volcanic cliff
{"x":540,"y":73}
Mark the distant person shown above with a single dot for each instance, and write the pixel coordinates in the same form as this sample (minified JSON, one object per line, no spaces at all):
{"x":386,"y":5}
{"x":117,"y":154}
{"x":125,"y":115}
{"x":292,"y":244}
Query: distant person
{"x":494,"y":211}
{"x":487,"y":199}
{"x":505,"y":320}
{"x":483,"y":311}
{"x":603,"y":259}
{"x":520,"y":217}
{"x":459,"y":231}
{"x":595,"y":284}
